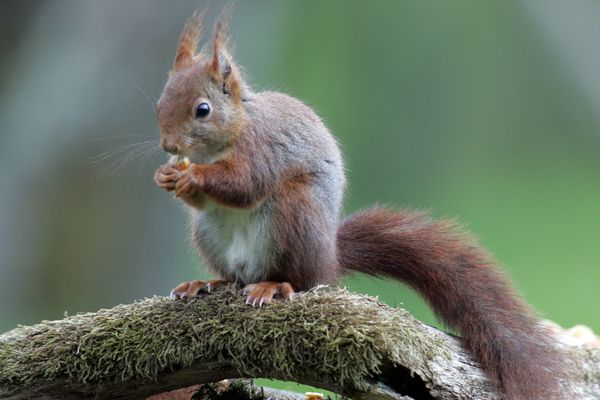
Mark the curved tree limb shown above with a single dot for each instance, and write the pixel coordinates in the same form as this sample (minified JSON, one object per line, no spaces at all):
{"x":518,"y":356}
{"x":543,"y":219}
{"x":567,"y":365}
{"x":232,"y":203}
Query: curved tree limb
{"x":329,"y":338}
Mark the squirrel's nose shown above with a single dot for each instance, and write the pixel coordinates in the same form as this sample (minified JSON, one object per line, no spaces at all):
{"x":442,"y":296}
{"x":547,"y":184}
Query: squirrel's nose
{"x":170,"y":147}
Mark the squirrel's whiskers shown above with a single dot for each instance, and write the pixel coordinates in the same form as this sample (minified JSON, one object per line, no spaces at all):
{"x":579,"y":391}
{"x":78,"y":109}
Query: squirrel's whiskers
{"x":121,"y":156}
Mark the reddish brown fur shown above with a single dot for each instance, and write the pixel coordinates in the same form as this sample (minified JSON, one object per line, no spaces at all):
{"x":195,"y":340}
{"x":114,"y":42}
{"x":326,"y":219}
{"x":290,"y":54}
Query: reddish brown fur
{"x":465,"y":289}
{"x":233,"y":181}
{"x":188,"y":41}
{"x":218,"y":41}
{"x":306,"y":260}
{"x":221,"y":68}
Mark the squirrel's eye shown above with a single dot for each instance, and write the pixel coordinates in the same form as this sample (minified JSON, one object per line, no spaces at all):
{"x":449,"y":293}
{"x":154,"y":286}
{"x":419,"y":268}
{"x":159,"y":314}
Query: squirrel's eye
{"x":202,"y":110}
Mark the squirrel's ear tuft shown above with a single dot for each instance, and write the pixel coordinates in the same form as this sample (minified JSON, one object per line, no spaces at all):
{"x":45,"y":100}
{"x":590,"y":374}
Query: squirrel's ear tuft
{"x":219,"y":40}
{"x":188,"y":41}
{"x":222,"y":68}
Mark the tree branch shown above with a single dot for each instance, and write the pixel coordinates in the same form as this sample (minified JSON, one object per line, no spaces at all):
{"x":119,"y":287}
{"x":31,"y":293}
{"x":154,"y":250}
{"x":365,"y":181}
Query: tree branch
{"x":329,"y":338}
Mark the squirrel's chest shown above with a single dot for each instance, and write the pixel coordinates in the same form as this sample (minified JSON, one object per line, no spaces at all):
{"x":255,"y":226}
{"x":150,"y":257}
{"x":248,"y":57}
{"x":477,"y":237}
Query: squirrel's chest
{"x":236,"y":242}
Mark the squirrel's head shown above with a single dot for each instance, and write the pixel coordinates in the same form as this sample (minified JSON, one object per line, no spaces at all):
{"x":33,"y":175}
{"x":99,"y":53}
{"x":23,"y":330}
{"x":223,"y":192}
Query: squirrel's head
{"x":200,"y":111}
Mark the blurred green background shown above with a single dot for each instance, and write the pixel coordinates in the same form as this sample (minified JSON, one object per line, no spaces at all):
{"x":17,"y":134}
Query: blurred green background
{"x":485,"y":111}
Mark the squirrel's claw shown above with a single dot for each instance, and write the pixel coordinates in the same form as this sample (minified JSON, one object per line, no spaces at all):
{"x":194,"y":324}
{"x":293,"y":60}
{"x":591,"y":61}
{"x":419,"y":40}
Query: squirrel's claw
{"x":187,"y":289}
{"x":263,"y":292}
{"x":187,"y":185}
{"x":166,"y":177}
{"x":192,"y":288}
{"x":190,"y":182}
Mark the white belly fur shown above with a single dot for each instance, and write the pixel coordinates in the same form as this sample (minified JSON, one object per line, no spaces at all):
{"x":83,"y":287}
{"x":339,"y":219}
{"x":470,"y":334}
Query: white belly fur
{"x":241,"y":237}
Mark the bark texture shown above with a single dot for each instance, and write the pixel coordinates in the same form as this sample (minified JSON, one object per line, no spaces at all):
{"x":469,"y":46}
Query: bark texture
{"x":329,"y":338}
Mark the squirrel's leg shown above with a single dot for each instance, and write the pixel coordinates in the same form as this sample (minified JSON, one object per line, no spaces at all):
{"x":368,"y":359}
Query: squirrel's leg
{"x":192,"y":288}
{"x":263,"y":292}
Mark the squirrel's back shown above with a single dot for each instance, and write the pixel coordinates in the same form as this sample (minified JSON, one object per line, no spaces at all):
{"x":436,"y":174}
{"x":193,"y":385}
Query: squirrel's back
{"x":296,"y":139}
{"x":282,"y":120}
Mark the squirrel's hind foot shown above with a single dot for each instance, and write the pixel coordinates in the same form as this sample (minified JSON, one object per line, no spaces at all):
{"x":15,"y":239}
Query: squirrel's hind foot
{"x":263,"y":292}
{"x":192,"y":288}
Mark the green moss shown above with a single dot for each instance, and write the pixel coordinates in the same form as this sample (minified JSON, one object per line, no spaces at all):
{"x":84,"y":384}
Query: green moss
{"x":333,"y":333}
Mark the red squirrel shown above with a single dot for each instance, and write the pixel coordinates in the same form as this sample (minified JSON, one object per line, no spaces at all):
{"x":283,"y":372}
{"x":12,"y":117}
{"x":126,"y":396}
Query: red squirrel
{"x":264,"y":190}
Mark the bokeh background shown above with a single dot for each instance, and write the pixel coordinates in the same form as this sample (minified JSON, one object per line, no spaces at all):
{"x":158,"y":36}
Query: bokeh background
{"x":485,"y":111}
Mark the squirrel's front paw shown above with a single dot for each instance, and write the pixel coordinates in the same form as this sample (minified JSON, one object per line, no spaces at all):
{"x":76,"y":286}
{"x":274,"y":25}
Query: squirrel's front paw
{"x":166,"y":177}
{"x":190,"y":182}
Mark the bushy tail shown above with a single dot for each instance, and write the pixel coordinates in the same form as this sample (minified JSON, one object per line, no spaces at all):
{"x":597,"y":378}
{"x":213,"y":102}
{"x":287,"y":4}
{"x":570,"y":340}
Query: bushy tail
{"x":467,"y":292}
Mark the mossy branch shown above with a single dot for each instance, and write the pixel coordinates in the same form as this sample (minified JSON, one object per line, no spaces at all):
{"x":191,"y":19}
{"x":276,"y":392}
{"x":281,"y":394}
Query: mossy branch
{"x":347,"y":343}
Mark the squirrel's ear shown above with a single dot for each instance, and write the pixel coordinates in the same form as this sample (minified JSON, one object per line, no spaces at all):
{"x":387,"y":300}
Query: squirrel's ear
{"x":188,"y":41}
{"x":222,"y":68}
